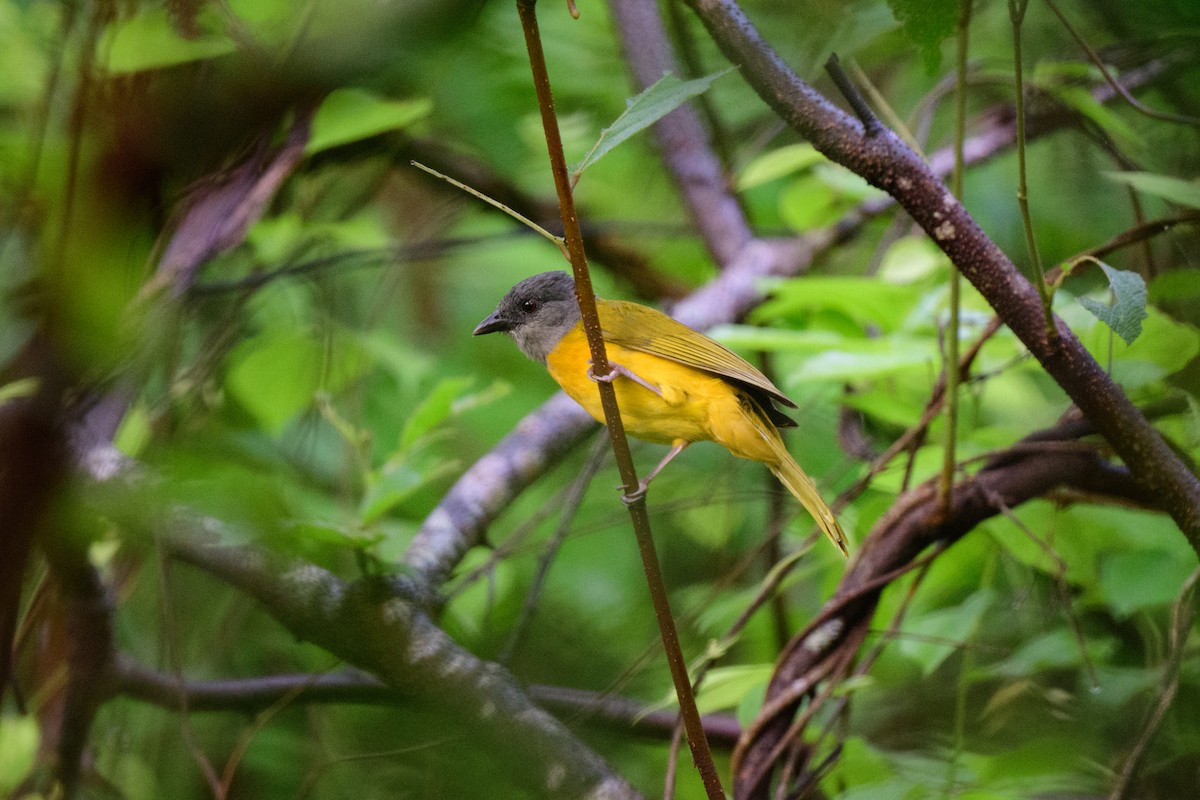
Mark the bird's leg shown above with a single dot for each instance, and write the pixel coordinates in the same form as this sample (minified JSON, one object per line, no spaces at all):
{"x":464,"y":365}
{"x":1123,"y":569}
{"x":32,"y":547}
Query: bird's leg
{"x":677,"y":447}
{"x":616,"y":370}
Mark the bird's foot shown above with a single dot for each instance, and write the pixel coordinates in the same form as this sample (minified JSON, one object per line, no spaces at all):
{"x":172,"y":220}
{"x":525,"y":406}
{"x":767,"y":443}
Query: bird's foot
{"x":617,"y":371}
{"x":636,"y":496}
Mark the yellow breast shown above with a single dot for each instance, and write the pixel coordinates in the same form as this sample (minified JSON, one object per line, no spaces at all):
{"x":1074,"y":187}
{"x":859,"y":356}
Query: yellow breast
{"x":694,"y":406}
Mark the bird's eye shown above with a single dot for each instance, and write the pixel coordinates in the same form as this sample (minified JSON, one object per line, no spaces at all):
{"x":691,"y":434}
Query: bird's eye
{"x":529,"y":306}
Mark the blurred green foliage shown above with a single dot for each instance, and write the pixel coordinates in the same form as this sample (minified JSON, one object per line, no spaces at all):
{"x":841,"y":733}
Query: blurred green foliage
{"x":318,"y":390}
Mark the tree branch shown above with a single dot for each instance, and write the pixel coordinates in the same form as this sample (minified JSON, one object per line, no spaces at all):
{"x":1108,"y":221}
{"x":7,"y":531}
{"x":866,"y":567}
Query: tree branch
{"x":351,"y":686}
{"x":546,"y":434}
{"x":682,"y":141}
{"x":371,"y":626}
{"x":1031,"y":469}
{"x":885,"y":161}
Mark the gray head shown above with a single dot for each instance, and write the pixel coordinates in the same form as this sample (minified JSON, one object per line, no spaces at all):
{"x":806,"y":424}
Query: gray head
{"x":537,"y":313}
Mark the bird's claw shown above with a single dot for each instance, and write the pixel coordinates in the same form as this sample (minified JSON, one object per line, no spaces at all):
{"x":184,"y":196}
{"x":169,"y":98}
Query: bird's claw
{"x":612,"y":375}
{"x":616,"y":371}
{"x":636,"y":496}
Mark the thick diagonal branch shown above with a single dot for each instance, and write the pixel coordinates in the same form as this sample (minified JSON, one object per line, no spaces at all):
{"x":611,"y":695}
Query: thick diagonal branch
{"x":381,"y":632}
{"x":545,"y":435}
{"x":885,"y":161}
{"x":1038,"y":465}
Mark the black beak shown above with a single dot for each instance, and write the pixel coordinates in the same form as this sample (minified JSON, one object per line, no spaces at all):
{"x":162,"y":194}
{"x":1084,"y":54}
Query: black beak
{"x":493,"y":323}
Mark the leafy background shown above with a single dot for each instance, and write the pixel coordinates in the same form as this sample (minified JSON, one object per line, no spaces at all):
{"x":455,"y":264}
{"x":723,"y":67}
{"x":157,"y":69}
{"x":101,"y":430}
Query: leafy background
{"x":317,"y":391}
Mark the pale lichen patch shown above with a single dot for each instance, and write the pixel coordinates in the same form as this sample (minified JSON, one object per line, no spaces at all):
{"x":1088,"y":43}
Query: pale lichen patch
{"x":945,"y":232}
{"x":396,"y":610}
{"x":611,"y":788}
{"x":307,"y":578}
{"x":819,"y":639}
{"x":555,"y":777}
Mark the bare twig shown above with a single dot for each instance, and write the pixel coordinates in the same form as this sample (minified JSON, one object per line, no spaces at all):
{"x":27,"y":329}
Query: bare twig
{"x":635,"y":500}
{"x":1098,"y":62}
{"x":567,"y":508}
{"x":349,"y":686}
{"x":1183,"y":613}
{"x":1016,"y":13}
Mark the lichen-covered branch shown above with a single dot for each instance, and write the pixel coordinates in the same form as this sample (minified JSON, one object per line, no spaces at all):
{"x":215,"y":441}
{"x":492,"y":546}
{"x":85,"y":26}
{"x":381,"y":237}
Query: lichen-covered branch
{"x":545,"y":435}
{"x":378,"y":630}
{"x":887,"y":162}
{"x":352,"y":686}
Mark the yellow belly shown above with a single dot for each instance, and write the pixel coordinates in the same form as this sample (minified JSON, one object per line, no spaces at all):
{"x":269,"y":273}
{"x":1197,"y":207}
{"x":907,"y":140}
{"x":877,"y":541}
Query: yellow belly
{"x":694,"y":406}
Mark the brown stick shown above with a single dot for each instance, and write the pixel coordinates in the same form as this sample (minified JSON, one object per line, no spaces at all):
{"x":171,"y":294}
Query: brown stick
{"x":635,"y":497}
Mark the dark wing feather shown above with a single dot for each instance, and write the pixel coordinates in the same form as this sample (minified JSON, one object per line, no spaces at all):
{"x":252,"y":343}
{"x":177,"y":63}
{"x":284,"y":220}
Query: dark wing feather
{"x":640,"y":328}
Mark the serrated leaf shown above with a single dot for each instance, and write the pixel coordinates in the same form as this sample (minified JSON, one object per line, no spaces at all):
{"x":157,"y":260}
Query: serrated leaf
{"x":927,"y":23}
{"x":1128,"y":309}
{"x":658,"y":100}
{"x":1175,"y":190}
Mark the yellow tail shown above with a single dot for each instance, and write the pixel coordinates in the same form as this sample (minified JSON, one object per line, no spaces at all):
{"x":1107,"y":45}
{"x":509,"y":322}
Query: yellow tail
{"x":804,"y":490}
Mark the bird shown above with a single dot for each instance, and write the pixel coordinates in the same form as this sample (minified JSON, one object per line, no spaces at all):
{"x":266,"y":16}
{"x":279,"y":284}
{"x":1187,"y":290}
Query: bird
{"x":674,"y":385}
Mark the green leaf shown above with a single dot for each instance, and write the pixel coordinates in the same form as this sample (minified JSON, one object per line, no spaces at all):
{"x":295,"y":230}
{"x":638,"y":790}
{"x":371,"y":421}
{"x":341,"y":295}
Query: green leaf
{"x":867,"y":301}
{"x":275,"y":376}
{"x":931,"y":638}
{"x":778,"y":163}
{"x":1082,"y":100}
{"x":1057,"y":649}
{"x":809,"y":202}
{"x":331,"y":533}
{"x":1140,"y":579}
{"x":350,"y":115}
{"x":1175,"y":190}
{"x":434,"y":409}
{"x":1128,"y":310}
{"x":149,"y":41}
{"x":726,"y":687}
{"x":666,"y":95}
{"x":1165,"y":346}
{"x":22,"y":387}
{"x":927,"y":23}
{"x":910,"y":259}
{"x":18,"y":746}
{"x":1178,"y":284}
{"x":395,"y":483}
{"x":835,"y":357}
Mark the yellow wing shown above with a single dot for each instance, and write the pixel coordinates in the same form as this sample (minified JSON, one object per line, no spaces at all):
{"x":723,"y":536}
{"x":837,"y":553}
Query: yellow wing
{"x":646,"y":330}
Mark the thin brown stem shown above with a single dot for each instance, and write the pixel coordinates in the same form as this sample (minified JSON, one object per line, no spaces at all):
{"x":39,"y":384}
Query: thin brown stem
{"x":701,"y":754}
{"x":952,"y":372}
{"x":1016,"y":12}
{"x":1098,"y":62}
